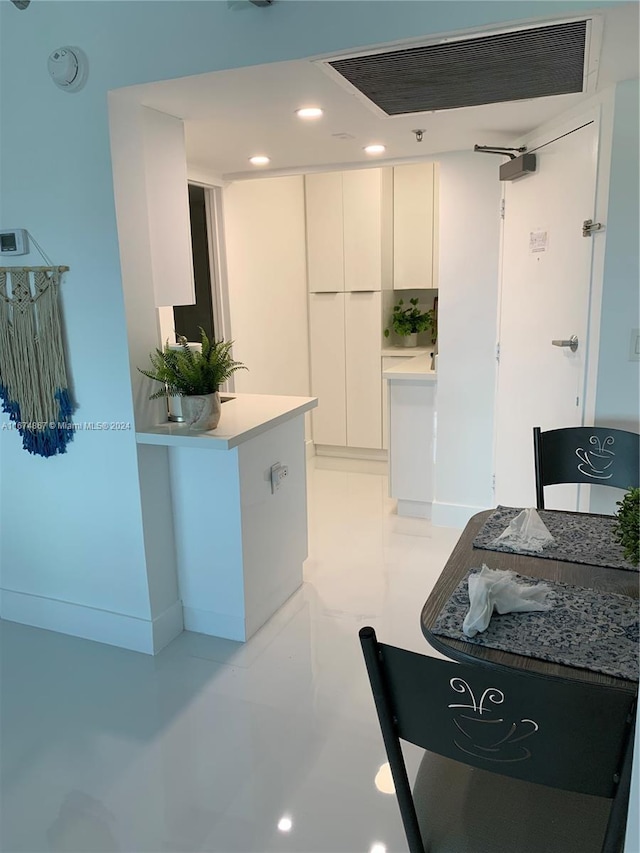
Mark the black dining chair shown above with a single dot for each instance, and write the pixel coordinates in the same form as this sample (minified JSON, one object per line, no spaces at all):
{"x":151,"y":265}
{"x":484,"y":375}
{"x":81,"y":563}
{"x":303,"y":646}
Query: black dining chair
{"x":515,"y":763}
{"x":595,"y":455}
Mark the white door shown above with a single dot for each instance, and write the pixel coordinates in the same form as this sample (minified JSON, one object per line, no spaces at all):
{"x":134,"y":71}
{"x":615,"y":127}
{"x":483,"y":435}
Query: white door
{"x":546,"y":280}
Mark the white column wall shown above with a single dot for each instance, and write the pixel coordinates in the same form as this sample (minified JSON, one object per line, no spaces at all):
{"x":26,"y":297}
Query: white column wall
{"x":467,"y":320}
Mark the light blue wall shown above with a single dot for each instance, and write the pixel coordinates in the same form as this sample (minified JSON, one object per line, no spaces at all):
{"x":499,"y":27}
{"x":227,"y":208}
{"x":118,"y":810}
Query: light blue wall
{"x":55,"y":180}
{"x":618,"y":390}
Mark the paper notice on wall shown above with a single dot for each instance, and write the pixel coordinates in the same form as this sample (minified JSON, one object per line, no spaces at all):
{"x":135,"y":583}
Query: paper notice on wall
{"x":538,"y":241}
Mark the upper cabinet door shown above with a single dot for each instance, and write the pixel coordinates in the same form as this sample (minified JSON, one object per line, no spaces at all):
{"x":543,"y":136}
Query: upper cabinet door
{"x":325,"y":232}
{"x":413,"y":226}
{"x":362,"y":200}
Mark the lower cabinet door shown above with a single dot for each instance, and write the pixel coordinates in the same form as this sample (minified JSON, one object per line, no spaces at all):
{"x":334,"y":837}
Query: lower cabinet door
{"x":363,"y":324}
{"x":328,"y":369}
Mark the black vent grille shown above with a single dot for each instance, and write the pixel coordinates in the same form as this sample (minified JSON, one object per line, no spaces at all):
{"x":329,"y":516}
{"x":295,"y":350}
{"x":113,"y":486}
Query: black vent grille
{"x":512,"y":66}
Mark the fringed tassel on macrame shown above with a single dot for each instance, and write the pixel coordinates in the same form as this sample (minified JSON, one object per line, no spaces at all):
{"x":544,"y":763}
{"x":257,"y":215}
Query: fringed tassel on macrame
{"x":33,"y":378}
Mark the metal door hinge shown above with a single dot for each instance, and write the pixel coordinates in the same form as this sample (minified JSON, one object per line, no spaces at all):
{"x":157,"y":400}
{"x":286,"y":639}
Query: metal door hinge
{"x":502,"y":209}
{"x":589,"y":227}
{"x":493,"y":482}
{"x":498,"y":351}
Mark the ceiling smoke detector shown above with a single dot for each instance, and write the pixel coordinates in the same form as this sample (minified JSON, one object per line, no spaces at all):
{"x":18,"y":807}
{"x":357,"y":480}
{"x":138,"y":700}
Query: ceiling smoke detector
{"x":68,"y":68}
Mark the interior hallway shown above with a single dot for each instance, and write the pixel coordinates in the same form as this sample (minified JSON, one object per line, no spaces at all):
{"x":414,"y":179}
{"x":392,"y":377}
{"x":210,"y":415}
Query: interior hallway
{"x":209,"y":745}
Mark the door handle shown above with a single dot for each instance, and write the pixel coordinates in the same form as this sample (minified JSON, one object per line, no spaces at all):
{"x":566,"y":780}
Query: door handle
{"x":572,"y":343}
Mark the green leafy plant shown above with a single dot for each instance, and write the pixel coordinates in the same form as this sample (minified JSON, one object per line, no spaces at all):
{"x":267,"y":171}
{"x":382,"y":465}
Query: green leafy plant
{"x":628,"y":526}
{"x":185,"y":371}
{"x":410,"y":319}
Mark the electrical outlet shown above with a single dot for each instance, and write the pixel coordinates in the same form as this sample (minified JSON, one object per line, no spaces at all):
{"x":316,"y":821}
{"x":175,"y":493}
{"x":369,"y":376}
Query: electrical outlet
{"x":634,"y":345}
{"x":279,"y":474}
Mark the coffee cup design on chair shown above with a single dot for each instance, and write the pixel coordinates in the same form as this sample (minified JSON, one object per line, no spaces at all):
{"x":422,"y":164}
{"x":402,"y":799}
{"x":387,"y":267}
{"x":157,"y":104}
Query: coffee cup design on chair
{"x":486,"y":732}
{"x":595,"y":463}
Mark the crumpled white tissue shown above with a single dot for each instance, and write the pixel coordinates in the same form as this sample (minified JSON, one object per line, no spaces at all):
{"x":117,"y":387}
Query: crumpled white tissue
{"x":496,"y":589}
{"x":526,"y":532}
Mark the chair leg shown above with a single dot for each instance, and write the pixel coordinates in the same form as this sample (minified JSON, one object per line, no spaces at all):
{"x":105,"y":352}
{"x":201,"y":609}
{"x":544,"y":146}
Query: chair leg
{"x":371,"y":652}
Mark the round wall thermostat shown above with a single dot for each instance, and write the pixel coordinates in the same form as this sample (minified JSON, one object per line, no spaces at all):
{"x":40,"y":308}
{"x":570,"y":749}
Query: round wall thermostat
{"x":69,"y":68}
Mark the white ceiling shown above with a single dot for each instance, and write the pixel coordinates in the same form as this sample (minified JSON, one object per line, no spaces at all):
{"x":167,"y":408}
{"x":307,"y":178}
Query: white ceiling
{"x":232,"y":115}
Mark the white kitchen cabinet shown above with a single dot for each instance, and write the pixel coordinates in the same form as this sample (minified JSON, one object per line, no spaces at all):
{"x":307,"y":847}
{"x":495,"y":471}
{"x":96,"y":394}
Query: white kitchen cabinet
{"x":362,"y":348}
{"x":325,"y":232}
{"x":344,"y":333}
{"x":367,"y":229}
{"x":328,"y":367}
{"x":415,"y":223}
{"x":412,"y":435}
{"x":349,"y":230}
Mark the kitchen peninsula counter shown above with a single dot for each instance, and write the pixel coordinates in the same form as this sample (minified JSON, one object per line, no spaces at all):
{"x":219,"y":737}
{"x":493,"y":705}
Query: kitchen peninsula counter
{"x":240,"y":530}
{"x":244,"y":416}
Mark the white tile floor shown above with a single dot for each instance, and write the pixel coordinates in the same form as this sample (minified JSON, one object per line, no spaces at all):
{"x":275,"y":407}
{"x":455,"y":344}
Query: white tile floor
{"x":207,"y":746}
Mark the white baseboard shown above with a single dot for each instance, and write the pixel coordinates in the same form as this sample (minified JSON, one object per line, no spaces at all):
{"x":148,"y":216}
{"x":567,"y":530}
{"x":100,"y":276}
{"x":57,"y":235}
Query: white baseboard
{"x":414,"y":509}
{"x":90,"y":623}
{"x":453,"y":515}
{"x":214,"y":624}
{"x":167,"y":626}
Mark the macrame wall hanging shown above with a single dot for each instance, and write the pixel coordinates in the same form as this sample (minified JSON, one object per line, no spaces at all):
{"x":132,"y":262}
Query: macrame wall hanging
{"x":33,"y":377}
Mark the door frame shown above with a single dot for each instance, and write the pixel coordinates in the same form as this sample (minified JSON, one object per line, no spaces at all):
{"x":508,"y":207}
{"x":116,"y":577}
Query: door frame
{"x":600,"y":111}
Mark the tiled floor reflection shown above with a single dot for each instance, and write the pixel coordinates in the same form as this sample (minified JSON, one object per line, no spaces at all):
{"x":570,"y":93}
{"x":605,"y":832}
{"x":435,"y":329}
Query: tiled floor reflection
{"x":214,"y":745}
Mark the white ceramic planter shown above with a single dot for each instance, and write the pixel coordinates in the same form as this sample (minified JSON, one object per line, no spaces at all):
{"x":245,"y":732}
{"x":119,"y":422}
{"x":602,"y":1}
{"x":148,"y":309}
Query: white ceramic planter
{"x":409,"y":340}
{"x":202,"y":411}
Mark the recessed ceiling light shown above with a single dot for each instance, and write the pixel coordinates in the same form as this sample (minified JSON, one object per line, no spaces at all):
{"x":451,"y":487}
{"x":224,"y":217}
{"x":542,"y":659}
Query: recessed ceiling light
{"x":285,"y":823}
{"x":384,"y":780}
{"x":259,"y":160}
{"x":375,"y":149}
{"x":309,"y":112}
{"x":378,"y":847}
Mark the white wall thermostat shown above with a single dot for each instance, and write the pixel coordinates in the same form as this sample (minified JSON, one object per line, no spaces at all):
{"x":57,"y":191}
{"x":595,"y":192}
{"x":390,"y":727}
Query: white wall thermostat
{"x":14,"y":242}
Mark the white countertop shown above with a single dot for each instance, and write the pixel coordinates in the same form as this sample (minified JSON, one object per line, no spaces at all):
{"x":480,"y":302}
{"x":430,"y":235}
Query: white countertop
{"x":243,"y":417}
{"x":417,"y":369}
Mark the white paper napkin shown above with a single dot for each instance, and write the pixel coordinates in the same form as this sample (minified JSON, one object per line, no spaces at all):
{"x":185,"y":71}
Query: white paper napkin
{"x":526,"y":532}
{"x":495,"y":589}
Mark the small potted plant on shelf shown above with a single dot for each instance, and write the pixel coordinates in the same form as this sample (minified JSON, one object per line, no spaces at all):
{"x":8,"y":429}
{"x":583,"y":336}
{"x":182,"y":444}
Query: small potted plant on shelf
{"x":628,"y":526}
{"x":195,"y":376}
{"x":407,"y":322}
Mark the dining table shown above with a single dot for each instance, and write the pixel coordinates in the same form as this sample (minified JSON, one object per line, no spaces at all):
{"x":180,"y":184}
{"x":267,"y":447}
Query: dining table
{"x":465,"y":557}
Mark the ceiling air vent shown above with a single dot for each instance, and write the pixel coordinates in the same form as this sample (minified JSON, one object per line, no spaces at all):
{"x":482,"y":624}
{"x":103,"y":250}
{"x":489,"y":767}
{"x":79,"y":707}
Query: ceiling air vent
{"x":511,"y":66}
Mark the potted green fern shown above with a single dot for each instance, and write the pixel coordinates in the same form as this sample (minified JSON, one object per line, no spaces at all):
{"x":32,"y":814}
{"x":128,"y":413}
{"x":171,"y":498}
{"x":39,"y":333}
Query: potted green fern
{"x":195,"y":376}
{"x":408,"y":321}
